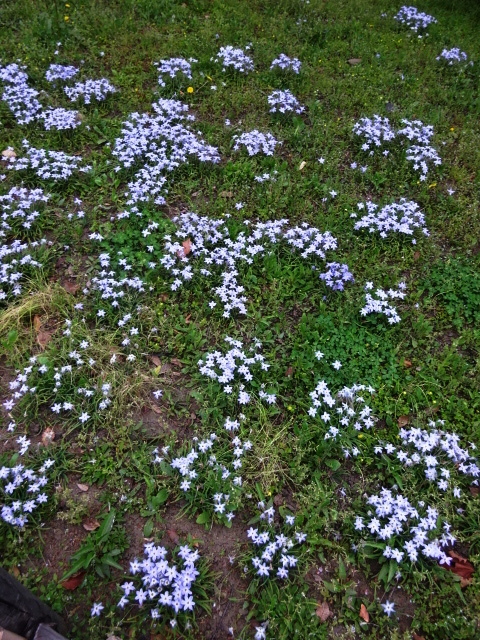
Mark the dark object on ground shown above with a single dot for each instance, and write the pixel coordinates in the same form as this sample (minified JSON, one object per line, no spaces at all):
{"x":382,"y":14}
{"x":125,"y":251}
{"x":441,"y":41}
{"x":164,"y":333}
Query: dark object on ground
{"x":22,"y":613}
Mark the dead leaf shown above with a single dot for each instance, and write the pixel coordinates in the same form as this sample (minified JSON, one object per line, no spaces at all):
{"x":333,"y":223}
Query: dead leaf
{"x":289,"y":371}
{"x":302,"y":165}
{"x":415,"y":636}
{"x":71,"y":287}
{"x":407,"y":364}
{"x":416,"y":255}
{"x":48,"y":436}
{"x":403,"y":421}
{"x":187,"y":319}
{"x":323,"y":611}
{"x":474,"y":490}
{"x":155,"y":360}
{"x":364,"y":615}
{"x":83,"y":487}
{"x":37,"y":323}
{"x":354,"y":61}
{"x":176,"y":362}
{"x":73,"y":582}
{"x":460,"y":567}
{"x":8,"y":153}
{"x":186,"y":248}
{"x":156,"y":409}
{"x":173,"y":535}
{"x":43,"y":338}
{"x":226,"y":194}
{"x":90,"y":524}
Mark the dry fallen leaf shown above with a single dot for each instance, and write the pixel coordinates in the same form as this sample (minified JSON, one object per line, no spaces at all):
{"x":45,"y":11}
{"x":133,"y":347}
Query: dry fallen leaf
{"x":37,"y":323}
{"x":403,"y":421}
{"x":48,"y":436}
{"x":90,"y":524}
{"x":289,"y":371}
{"x":226,"y":194}
{"x":415,"y":636}
{"x":364,"y":615}
{"x":156,"y":409}
{"x":416,"y":255}
{"x":43,"y":338}
{"x":73,"y":582}
{"x":460,"y":567}
{"x":156,"y":360}
{"x":186,"y":248}
{"x":173,"y":535}
{"x":354,"y":61}
{"x":8,"y":153}
{"x":407,"y":363}
{"x":83,"y":487}
{"x":302,"y":165}
{"x":71,"y":287}
{"x":323,"y":611}
{"x":474,"y":490}
{"x":188,"y":318}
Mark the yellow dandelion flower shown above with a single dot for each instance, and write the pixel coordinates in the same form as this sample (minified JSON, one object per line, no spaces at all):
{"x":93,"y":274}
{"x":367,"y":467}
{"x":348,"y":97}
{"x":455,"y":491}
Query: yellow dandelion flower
{"x":189,"y":89}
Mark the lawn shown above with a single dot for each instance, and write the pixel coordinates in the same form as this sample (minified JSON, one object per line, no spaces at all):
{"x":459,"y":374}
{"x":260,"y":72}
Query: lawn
{"x":239,"y":316}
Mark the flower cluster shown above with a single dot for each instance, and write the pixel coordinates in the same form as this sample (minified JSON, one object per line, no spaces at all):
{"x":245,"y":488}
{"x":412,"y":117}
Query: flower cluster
{"x":22,"y":492}
{"x":162,"y":142}
{"x":235,"y":362}
{"x":413,"y":18}
{"x":211,"y":240}
{"x":47,"y":165}
{"x":381,"y":302}
{"x":286,"y":63}
{"x":60,"y":72}
{"x":434,"y":449}
{"x":20,"y":98}
{"x":56,"y":383}
{"x":336,"y":276}
{"x":408,"y":530}
{"x":276,"y":552}
{"x":10,"y":263}
{"x":379,"y":131}
{"x":399,"y":217}
{"x":211,"y":470}
{"x":453,"y":56}
{"x":174,"y":66}
{"x":60,"y":119}
{"x":233,"y":58}
{"x":256,"y":142}
{"x":421,"y":156}
{"x":19,"y":209}
{"x":347,"y":409}
{"x":98,"y":89}
{"x":376,"y":131}
{"x":284,"y":102}
{"x":166,"y":586}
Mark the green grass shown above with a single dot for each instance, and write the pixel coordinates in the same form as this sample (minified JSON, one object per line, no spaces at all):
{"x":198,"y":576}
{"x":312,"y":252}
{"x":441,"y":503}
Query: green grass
{"x":426,"y":367}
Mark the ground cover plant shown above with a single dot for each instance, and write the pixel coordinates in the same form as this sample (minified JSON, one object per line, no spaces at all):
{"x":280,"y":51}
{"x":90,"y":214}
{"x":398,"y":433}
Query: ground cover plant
{"x":239,"y":311}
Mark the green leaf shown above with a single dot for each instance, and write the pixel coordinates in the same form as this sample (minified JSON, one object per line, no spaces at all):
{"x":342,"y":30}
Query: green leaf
{"x":392,"y":570}
{"x":106,"y":525}
{"x":148,"y":528}
{"x":160,"y":498}
{"x":333,"y":464}
{"x":111,"y":562}
{"x":203,"y":518}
